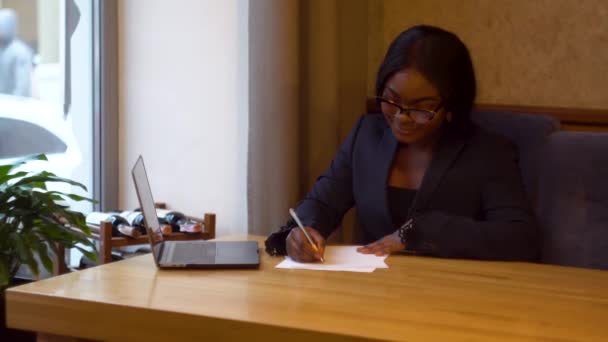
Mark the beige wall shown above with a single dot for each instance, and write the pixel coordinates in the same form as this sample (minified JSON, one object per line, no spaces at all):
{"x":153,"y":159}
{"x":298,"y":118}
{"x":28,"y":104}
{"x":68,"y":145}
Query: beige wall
{"x":183,"y":105}
{"x":526,"y":52}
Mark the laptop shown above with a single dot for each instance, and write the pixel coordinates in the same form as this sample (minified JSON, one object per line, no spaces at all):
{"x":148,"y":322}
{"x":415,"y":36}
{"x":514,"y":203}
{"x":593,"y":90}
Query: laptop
{"x":188,"y":254}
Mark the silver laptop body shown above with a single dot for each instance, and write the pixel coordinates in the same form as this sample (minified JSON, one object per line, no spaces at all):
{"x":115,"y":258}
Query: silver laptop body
{"x":188,"y":254}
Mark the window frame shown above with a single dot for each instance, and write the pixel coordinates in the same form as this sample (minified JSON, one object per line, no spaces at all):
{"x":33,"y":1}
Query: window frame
{"x":105,"y":104}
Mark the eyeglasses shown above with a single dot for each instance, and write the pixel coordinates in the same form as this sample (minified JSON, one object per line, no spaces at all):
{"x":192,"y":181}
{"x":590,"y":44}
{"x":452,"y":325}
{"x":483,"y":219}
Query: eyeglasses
{"x":420,"y":116}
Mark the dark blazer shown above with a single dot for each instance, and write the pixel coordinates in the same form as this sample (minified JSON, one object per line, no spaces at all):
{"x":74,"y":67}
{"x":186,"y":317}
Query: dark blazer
{"x":471,"y":203}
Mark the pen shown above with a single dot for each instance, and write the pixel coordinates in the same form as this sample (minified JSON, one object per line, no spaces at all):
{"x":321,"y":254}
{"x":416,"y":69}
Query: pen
{"x":297,"y":219}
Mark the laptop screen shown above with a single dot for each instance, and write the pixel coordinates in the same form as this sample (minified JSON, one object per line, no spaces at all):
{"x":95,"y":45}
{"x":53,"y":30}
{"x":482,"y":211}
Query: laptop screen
{"x":146,"y":202}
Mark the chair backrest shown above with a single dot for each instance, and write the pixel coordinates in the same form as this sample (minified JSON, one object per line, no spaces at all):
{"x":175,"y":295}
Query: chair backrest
{"x":528,"y":132}
{"x":573,"y":199}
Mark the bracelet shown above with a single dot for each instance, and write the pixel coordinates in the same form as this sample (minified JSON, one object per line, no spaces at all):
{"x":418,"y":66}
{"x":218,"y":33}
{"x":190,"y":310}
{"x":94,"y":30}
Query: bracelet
{"x":405,"y":231}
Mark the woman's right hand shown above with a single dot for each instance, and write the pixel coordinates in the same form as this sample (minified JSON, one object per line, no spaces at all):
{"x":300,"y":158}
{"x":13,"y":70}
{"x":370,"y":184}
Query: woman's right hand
{"x":298,"y":247}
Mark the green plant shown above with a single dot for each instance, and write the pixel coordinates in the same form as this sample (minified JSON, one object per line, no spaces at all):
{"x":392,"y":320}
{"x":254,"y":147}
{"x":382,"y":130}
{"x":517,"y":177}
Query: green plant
{"x":34,"y":220}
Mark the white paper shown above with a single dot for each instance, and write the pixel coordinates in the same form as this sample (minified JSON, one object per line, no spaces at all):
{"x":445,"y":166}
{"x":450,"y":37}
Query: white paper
{"x":340,"y":258}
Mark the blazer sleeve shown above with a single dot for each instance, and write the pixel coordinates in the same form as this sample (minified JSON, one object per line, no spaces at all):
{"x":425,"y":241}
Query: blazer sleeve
{"x":507,"y":231}
{"x":330,"y":198}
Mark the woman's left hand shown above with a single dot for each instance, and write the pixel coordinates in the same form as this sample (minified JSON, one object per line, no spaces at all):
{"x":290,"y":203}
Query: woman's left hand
{"x":386,"y":245}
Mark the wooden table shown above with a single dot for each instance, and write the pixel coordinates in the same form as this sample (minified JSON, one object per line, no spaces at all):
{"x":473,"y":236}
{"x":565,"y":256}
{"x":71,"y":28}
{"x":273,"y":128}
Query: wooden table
{"x":416,"y":299}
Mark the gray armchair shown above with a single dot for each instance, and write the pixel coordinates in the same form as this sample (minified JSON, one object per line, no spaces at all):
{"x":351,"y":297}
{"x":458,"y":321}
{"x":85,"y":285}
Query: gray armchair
{"x":573,"y":199}
{"x":528,"y":132}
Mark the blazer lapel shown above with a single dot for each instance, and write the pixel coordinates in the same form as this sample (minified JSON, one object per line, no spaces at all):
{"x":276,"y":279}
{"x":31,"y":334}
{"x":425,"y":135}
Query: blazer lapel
{"x":385,"y":155}
{"x":447,"y":152}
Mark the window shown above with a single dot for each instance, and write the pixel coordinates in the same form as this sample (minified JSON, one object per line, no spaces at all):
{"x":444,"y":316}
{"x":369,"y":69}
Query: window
{"x":46,"y":49}
{"x":55,"y":93}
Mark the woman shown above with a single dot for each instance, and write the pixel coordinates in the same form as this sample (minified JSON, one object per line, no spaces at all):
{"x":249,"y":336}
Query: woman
{"x":424,"y":179}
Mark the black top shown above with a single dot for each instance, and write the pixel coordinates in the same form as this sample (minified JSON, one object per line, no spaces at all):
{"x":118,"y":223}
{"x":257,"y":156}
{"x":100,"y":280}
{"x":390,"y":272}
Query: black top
{"x":470,"y":204}
{"x":399,"y":202}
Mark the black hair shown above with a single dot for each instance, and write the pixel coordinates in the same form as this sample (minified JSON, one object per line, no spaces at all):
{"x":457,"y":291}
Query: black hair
{"x":442,"y":58}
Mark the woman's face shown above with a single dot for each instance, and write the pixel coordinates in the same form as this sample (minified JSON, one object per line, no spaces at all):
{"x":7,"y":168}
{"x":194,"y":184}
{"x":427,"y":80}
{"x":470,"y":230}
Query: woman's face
{"x":410,"y":89}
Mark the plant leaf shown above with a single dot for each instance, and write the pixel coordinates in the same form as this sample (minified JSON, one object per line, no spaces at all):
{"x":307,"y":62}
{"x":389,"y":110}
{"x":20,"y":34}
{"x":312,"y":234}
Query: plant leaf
{"x":6,"y":169}
{"x":40,"y":177}
{"x":25,"y":254}
{"x":43,"y":252}
{"x":74,"y":197}
{"x":13,"y":176}
{"x":87,"y":253}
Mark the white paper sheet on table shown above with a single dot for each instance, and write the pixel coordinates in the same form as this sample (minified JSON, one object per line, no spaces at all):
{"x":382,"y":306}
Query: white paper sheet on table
{"x":340,"y":258}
